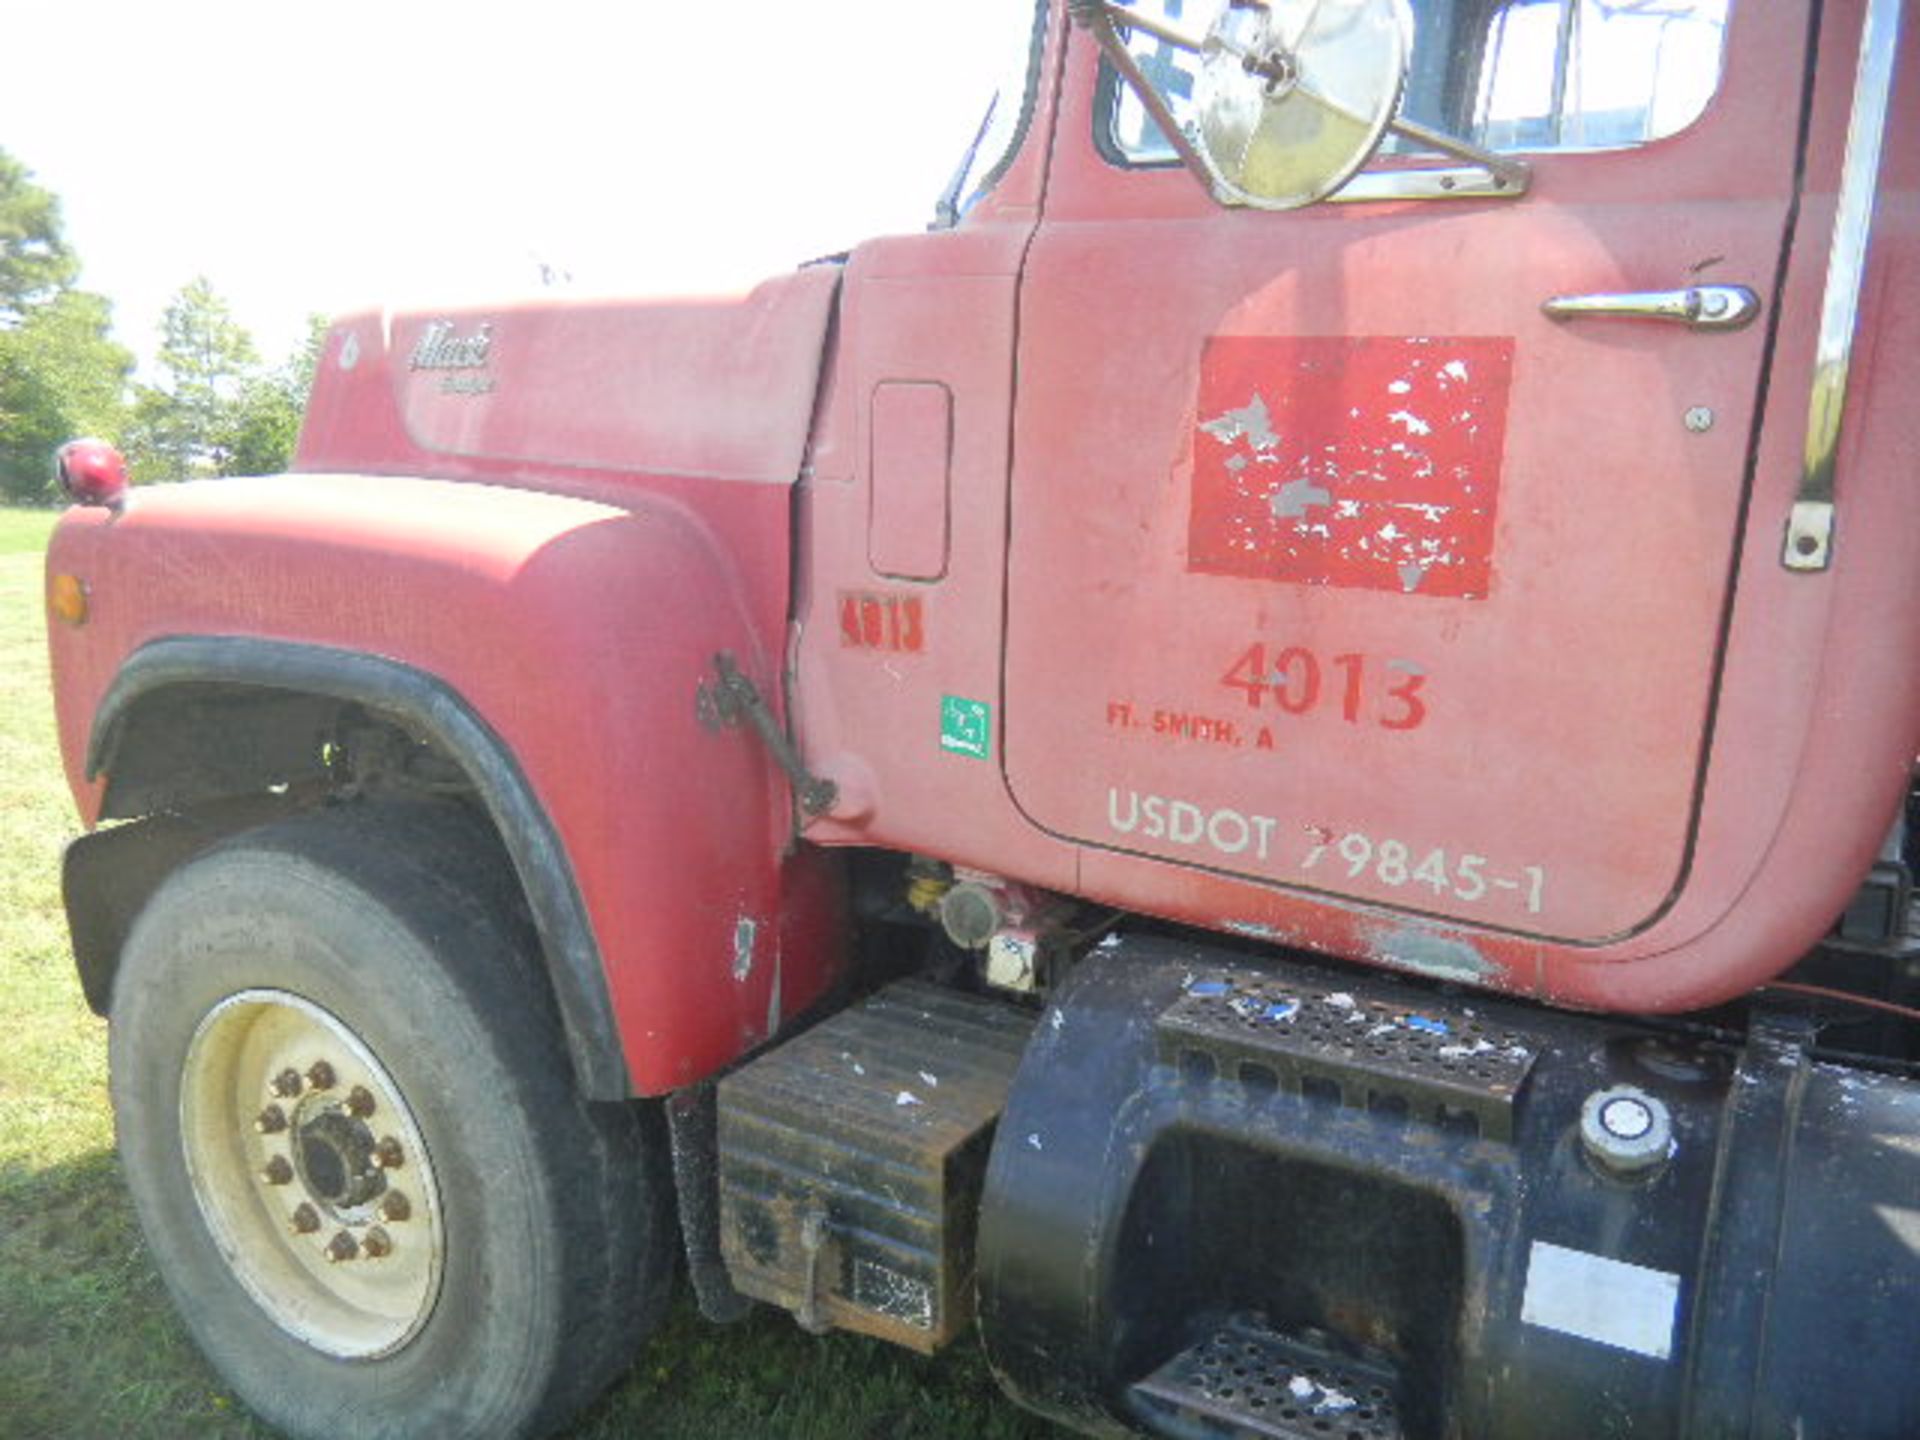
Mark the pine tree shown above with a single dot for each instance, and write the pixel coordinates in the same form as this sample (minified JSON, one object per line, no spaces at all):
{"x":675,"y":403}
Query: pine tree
{"x":61,"y":374}
{"x":183,"y":427}
{"x":35,"y":263}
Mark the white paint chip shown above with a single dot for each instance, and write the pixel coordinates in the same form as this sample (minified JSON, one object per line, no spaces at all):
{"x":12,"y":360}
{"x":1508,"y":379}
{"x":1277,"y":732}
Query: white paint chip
{"x":1334,"y":1402}
{"x":1252,"y":421}
{"x":1610,"y":1302}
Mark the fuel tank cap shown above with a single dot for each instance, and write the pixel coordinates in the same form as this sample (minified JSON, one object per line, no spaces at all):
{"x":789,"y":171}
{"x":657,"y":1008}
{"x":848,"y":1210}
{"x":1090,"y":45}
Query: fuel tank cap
{"x":1626,"y":1130}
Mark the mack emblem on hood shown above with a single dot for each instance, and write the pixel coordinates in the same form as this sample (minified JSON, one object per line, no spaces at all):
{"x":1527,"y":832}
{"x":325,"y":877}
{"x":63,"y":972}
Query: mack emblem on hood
{"x":442,"y":347}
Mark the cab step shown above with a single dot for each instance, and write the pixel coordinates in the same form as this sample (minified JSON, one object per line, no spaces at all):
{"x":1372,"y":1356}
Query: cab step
{"x":1247,"y":1381}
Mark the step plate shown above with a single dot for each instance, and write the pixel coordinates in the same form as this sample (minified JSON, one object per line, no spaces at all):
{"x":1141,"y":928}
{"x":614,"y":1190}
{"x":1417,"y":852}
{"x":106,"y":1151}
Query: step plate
{"x":1245,"y":1382}
{"x":1378,"y":1046}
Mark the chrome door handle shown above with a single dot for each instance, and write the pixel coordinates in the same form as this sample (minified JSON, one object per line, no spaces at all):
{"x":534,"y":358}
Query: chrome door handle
{"x":1705,"y":307}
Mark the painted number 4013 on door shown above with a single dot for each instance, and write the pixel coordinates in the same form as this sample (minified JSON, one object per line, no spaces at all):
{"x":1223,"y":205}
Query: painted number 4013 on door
{"x":1387,"y":692}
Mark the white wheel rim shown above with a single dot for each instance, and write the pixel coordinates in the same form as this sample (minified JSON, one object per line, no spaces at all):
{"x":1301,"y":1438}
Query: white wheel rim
{"x":311,"y":1174}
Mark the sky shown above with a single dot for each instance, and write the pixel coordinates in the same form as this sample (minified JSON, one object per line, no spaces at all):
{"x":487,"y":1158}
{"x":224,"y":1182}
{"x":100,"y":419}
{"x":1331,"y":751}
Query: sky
{"x":313,"y":158}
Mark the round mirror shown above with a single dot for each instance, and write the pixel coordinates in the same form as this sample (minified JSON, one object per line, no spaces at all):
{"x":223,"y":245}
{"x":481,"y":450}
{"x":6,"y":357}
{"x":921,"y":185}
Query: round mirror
{"x":1294,"y":95}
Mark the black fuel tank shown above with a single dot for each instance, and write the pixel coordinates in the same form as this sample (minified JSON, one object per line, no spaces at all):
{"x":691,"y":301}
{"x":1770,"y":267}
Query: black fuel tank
{"x":1229,"y":1199}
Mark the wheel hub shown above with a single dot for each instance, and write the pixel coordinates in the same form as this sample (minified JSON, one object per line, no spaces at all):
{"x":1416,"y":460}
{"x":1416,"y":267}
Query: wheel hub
{"x":311,"y":1173}
{"x":336,"y":1159}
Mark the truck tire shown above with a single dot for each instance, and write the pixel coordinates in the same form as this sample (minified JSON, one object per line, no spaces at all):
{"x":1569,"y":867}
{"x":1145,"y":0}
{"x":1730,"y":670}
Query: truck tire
{"x":349,"y":1125}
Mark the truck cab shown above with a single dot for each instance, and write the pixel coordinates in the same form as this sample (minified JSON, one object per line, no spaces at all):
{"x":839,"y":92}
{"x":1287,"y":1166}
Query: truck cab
{"x":1272,"y":760}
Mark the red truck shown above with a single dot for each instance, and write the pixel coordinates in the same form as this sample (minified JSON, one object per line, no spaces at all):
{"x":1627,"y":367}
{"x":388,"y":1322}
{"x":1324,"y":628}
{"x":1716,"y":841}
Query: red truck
{"x":1274,"y":762}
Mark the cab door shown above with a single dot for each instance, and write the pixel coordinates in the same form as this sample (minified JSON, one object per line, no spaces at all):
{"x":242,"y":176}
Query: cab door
{"x":1337,"y":563}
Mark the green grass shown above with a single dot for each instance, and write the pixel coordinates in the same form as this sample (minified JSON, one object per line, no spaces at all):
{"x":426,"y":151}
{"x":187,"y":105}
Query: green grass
{"x":24,"y":532}
{"x":88,"y":1344}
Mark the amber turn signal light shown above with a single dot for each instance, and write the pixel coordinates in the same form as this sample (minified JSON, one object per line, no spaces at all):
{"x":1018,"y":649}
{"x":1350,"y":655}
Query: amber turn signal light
{"x":67,"y":599}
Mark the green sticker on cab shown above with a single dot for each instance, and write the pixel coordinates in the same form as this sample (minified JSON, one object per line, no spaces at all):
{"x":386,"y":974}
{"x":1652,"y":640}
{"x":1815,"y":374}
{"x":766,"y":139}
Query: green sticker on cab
{"x":966,"y":727}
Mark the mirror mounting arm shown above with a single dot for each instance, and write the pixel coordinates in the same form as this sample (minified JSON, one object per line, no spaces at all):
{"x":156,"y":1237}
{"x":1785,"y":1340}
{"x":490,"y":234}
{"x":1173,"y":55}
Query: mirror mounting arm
{"x":1098,"y":17}
{"x":1509,"y":175}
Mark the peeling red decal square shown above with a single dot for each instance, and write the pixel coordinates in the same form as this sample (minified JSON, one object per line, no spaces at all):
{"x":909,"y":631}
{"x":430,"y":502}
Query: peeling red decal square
{"x":1371,"y":463}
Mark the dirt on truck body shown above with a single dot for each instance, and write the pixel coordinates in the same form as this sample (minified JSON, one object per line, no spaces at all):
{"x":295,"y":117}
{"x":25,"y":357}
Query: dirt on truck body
{"x":1272,"y":769}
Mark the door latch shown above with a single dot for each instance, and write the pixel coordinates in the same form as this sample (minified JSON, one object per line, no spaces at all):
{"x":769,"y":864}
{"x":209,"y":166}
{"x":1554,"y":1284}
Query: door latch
{"x":1704,"y":307}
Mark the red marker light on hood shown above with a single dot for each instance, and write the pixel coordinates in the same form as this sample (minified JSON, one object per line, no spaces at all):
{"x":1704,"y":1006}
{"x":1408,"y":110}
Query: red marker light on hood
{"x":92,"y":472}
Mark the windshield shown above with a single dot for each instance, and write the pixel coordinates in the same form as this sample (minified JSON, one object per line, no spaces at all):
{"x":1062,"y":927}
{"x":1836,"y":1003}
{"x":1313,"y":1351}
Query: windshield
{"x":1018,"y":27}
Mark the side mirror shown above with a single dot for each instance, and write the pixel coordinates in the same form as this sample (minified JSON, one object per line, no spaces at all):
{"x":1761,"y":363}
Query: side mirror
{"x":1293,"y":96}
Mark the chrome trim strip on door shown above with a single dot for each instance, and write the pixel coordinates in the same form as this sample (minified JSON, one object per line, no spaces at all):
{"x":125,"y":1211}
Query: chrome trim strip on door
{"x":1809,"y":538}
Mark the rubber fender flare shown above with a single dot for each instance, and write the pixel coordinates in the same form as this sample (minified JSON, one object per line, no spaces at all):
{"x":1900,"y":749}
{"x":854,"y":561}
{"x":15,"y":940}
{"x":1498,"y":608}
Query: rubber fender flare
{"x":430,"y":708}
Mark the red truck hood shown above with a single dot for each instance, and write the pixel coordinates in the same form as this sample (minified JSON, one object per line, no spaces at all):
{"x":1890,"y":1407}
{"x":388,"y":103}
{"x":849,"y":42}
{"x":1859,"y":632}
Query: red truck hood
{"x":712,"y":389}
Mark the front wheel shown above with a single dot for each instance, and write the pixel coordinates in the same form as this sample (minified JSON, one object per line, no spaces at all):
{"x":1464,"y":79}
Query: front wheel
{"x":348,"y":1122}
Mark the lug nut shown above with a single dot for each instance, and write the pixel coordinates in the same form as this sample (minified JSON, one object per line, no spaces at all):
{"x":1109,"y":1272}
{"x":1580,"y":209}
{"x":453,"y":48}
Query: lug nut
{"x":270,"y":1121}
{"x":288,"y":1084}
{"x":378,"y":1244}
{"x":388,"y":1154}
{"x":395,"y":1206}
{"x":306,"y":1219}
{"x":320,"y":1075}
{"x":278,"y":1171}
{"x":360,"y":1102}
{"x":341,"y":1248}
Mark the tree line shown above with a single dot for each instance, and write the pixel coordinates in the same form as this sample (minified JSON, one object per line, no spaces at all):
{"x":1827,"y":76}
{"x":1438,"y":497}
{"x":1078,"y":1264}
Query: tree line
{"x":213,"y":406}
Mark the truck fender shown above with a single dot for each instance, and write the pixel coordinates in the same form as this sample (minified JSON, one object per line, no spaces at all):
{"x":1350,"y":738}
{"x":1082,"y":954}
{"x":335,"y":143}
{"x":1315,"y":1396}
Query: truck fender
{"x":418,"y":703}
{"x":555,"y":647}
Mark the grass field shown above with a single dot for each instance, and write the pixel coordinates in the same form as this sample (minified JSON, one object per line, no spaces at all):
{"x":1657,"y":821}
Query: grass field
{"x":88,"y":1345}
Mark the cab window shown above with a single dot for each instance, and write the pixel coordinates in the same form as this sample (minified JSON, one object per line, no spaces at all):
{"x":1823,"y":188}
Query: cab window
{"x":1511,"y":75}
{"x":1588,"y":74}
